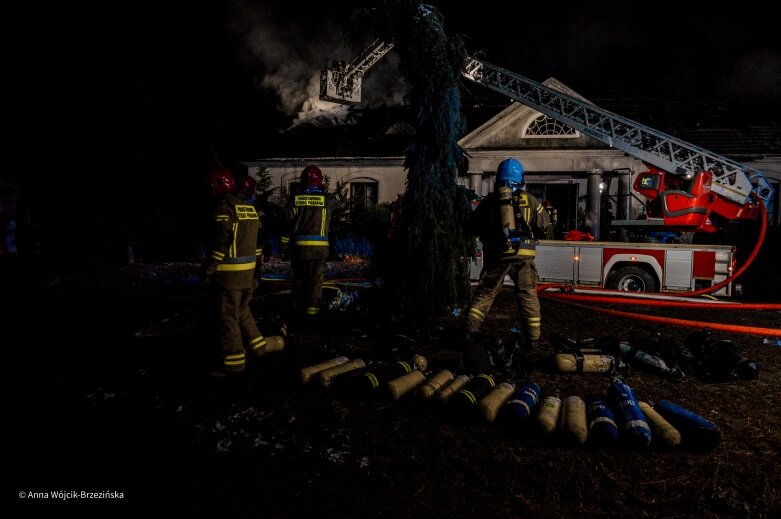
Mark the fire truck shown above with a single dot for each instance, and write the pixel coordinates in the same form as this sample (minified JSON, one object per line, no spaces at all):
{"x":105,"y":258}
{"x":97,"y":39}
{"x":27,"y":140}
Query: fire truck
{"x":688,"y":189}
{"x":632,"y":267}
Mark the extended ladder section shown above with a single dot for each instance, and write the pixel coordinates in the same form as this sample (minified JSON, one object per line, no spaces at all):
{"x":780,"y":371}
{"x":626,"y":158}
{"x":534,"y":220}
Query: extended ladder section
{"x":731,"y":180}
{"x":672,"y":161}
{"x":342,"y":82}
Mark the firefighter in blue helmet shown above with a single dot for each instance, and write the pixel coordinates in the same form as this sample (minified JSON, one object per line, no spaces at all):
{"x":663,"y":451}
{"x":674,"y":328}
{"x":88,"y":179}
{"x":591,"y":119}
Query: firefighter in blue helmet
{"x":508,"y":222}
{"x":310,"y":210}
{"x":228,"y":270}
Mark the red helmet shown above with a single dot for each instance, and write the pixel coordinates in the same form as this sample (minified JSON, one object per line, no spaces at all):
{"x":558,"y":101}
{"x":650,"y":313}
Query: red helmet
{"x":311,"y":177}
{"x":221,"y":180}
{"x":247,"y":186}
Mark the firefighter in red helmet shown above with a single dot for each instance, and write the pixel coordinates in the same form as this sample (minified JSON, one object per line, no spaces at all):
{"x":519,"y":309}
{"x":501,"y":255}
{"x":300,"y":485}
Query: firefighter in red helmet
{"x":228,"y":270}
{"x":247,"y":188}
{"x":310,"y":209}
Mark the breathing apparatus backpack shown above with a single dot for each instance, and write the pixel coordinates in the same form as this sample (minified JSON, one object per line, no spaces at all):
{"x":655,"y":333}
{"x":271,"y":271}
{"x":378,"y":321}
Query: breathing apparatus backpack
{"x":518,"y":234}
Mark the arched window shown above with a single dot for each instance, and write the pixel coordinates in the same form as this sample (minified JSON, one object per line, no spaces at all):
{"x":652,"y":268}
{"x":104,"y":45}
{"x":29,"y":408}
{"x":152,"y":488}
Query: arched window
{"x":547,"y":127}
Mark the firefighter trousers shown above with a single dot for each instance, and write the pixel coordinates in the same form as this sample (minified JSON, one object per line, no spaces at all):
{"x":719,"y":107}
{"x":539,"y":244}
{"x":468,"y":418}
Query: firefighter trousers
{"x":524,"y":276}
{"x":307,"y":287}
{"x":236,"y":327}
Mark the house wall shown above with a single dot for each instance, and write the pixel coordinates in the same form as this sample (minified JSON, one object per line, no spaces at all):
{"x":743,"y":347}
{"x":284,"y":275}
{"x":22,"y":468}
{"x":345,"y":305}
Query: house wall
{"x":388,"y":172}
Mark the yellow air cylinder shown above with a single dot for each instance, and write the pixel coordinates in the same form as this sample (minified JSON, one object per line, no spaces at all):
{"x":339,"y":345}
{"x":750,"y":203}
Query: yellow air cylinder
{"x":310,"y":371}
{"x":506,"y":208}
{"x":507,"y":213}
{"x":420,"y":362}
{"x":446,"y":392}
{"x":574,"y":428}
{"x":663,"y":432}
{"x":435,"y":383}
{"x":493,"y":401}
{"x":548,"y":417}
{"x":405,"y":383}
{"x":568,"y":363}
{"x":328,"y":375}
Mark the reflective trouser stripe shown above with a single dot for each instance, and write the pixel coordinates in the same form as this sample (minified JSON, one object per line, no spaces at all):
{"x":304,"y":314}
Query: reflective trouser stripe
{"x":234,"y":360}
{"x":257,"y":342}
{"x":533,"y":324}
{"x":312,"y":310}
{"x":476,"y":313}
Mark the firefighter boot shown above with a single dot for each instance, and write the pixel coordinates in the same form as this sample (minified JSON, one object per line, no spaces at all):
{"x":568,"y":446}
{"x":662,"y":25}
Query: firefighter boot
{"x":232,"y":364}
{"x":476,"y":359}
{"x":526,"y":343}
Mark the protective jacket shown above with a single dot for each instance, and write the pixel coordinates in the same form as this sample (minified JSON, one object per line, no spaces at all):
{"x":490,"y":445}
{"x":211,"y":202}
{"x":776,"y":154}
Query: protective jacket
{"x":234,"y":248}
{"x":311,"y":213}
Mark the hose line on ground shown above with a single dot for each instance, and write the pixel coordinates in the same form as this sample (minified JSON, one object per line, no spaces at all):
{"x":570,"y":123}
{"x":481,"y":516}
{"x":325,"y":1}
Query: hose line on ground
{"x":751,"y":330}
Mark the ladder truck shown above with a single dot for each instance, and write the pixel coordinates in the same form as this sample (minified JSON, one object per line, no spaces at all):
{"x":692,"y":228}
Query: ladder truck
{"x":687,"y":189}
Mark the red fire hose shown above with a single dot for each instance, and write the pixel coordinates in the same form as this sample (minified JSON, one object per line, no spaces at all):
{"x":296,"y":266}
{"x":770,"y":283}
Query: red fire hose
{"x":655,"y":302}
{"x":751,"y":330}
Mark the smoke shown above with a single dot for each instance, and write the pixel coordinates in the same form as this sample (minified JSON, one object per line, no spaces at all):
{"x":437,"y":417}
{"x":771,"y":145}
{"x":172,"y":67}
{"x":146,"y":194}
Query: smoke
{"x":292,"y":54}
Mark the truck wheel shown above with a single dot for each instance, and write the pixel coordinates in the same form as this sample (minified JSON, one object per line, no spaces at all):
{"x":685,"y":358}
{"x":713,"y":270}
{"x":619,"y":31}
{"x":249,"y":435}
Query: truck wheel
{"x":631,"y":279}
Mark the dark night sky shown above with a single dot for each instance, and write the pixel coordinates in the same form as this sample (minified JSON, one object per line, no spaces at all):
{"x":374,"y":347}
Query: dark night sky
{"x":651,"y":48}
{"x":142,"y":95}
{"x":221,"y":66}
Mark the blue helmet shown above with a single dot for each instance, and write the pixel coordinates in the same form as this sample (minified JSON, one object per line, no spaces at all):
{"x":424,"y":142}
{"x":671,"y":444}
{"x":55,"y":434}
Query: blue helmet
{"x":510,"y":172}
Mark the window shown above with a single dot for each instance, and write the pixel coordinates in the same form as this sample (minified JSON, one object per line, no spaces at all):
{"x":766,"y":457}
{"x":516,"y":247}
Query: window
{"x":545,"y":127}
{"x":363,"y":194}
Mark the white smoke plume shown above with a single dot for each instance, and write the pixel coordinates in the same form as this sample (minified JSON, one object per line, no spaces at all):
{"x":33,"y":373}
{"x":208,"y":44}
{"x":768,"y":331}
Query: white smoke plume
{"x":292,"y":57}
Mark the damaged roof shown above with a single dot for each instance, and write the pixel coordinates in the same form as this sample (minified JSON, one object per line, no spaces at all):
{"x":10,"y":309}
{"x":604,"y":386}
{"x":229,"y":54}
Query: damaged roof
{"x":740,"y":129}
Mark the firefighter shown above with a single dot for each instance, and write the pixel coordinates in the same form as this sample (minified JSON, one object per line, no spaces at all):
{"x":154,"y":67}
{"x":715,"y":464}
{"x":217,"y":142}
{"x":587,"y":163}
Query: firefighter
{"x":228,"y":270}
{"x":553,"y":216}
{"x":508,"y":222}
{"x":310,"y":209}
{"x":247,"y":188}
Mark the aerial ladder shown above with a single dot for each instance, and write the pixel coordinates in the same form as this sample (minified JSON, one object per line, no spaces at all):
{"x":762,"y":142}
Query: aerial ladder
{"x":685,"y":184}
{"x":341,"y":83}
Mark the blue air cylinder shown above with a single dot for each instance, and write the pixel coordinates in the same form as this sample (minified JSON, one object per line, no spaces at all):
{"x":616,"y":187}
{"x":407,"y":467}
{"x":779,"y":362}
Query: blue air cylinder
{"x":633,"y":426}
{"x":697,"y":433}
{"x":521,"y":404}
{"x":602,"y":428}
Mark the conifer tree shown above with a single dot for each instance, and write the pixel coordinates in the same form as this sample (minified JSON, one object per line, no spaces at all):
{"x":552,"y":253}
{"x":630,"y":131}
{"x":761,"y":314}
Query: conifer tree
{"x":428,"y":274}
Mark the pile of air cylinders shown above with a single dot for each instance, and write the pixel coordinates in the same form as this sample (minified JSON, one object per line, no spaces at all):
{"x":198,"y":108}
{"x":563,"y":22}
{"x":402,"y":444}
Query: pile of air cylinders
{"x":614,"y":419}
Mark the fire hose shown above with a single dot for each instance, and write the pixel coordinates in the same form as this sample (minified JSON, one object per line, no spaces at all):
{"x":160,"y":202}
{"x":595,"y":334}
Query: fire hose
{"x":750,"y":330}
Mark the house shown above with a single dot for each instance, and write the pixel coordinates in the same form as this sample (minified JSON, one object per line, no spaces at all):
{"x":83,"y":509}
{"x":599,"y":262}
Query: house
{"x":583,"y":178}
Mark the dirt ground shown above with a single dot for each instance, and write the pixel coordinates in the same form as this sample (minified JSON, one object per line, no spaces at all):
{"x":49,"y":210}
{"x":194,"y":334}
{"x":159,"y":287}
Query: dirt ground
{"x":110,"y":392}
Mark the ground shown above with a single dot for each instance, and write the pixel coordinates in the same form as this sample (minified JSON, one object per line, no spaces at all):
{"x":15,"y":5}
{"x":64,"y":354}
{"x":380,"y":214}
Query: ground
{"x":110,"y":391}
